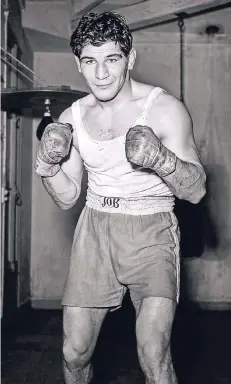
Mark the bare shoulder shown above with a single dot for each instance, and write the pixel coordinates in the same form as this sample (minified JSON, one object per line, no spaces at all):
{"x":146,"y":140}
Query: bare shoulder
{"x":86,"y":103}
{"x":169,"y":114}
{"x":171,"y":104}
{"x":172,"y":123}
{"x":141,"y":90}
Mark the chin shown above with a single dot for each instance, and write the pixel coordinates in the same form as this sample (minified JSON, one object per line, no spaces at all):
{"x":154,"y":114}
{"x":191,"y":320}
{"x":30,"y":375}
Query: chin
{"x":107,"y":93}
{"x":105,"y":96}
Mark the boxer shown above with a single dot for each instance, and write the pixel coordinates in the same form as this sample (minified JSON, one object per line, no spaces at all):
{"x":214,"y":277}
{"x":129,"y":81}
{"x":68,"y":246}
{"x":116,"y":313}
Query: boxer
{"x":137,"y":146}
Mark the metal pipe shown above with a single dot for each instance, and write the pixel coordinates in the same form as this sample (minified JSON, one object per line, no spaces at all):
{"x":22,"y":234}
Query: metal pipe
{"x":17,"y":70}
{"x":6,"y":16}
{"x":182,"y":30}
{"x":25,"y":66}
{"x":3,"y":159}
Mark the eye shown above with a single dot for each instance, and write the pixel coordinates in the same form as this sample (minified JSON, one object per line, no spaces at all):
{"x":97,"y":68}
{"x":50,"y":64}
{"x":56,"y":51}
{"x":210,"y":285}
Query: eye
{"x":89,"y":62}
{"x":112,"y":60}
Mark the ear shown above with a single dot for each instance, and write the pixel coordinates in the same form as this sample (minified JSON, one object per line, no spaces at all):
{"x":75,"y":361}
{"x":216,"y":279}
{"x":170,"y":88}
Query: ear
{"x":131,"y":59}
{"x":78,"y":64}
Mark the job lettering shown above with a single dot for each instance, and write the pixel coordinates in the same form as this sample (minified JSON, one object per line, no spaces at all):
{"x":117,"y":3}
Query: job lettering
{"x":111,"y":202}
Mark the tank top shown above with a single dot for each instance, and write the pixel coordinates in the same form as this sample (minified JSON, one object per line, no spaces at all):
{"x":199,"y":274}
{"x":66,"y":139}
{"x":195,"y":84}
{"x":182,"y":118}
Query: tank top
{"x":110,"y":174}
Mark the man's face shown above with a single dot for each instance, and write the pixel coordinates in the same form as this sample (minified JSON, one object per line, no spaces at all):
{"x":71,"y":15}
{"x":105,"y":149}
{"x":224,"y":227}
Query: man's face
{"x":105,"y":69}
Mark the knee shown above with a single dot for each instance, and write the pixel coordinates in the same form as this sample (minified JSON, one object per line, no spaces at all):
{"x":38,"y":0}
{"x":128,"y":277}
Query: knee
{"x":76,"y":351}
{"x":156,"y":346}
{"x":151,"y":350}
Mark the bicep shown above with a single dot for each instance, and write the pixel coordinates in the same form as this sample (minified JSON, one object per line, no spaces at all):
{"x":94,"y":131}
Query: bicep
{"x":73,"y":166}
{"x":178,"y":134}
{"x":67,"y":117}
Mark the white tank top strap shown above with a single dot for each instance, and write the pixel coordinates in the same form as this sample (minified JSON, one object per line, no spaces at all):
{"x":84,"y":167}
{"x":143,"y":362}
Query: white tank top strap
{"x":75,"y":109}
{"x":76,"y":115}
{"x":142,"y":118}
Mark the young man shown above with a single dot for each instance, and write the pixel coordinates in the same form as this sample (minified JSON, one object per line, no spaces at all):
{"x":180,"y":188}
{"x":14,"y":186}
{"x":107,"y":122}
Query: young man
{"x":137,"y":145}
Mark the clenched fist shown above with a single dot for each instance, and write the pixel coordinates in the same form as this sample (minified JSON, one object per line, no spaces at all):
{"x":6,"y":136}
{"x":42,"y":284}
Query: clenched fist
{"x":143,"y":148}
{"x":53,"y":147}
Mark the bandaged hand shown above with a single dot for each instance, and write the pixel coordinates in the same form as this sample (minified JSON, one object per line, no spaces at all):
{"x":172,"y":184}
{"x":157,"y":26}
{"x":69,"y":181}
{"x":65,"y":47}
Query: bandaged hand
{"x":53,"y":147}
{"x":143,"y":148}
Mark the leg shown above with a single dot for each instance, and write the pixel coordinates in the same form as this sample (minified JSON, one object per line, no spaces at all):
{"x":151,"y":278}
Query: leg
{"x":154,"y":318}
{"x":81,"y":329}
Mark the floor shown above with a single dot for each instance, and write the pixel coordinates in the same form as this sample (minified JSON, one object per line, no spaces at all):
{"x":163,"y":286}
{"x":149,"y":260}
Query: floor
{"x":201,"y":340}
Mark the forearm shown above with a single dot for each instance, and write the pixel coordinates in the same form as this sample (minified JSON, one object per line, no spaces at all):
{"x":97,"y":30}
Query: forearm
{"x":63,"y":190}
{"x":187,"y":181}
{"x":185,"y":178}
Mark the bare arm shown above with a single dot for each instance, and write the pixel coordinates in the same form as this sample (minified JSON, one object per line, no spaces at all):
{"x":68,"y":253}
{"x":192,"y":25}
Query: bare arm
{"x":166,"y":145}
{"x":65,"y":186}
{"x":187,"y":181}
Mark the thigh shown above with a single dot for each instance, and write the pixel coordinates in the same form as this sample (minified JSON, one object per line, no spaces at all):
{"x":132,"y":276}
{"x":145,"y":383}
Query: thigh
{"x":81,"y":327}
{"x":147,"y":255}
{"x":154,"y":319}
{"x":91,"y":280}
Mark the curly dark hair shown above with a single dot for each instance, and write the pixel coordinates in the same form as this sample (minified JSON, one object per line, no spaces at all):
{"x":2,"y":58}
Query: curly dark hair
{"x":97,"y":29}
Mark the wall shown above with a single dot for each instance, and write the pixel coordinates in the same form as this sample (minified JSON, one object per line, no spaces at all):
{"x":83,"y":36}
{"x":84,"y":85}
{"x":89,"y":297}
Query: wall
{"x":208,"y":75}
{"x":26,"y":180}
{"x":22,"y":253}
{"x":205,"y":275}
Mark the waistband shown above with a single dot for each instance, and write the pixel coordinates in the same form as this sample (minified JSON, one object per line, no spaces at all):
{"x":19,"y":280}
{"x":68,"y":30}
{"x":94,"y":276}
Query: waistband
{"x":130,"y":206}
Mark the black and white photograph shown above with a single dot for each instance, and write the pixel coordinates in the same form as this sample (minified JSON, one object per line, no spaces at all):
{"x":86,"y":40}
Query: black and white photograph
{"x":115,"y":192}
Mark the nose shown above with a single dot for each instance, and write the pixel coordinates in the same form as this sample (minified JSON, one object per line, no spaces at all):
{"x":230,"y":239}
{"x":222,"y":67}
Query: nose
{"x":101,"y":71}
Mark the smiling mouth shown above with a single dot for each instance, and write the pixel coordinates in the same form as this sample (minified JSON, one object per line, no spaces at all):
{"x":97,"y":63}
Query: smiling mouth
{"x":103,"y":85}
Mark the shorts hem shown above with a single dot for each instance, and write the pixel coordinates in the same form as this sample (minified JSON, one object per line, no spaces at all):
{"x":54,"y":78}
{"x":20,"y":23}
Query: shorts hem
{"x":174,"y":299}
{"x":114,"y":303}
{"x":109,"y":305}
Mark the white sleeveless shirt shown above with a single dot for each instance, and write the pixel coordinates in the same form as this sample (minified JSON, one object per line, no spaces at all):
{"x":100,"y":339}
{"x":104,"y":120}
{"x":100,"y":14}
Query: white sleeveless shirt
{"x":110,"y":174}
